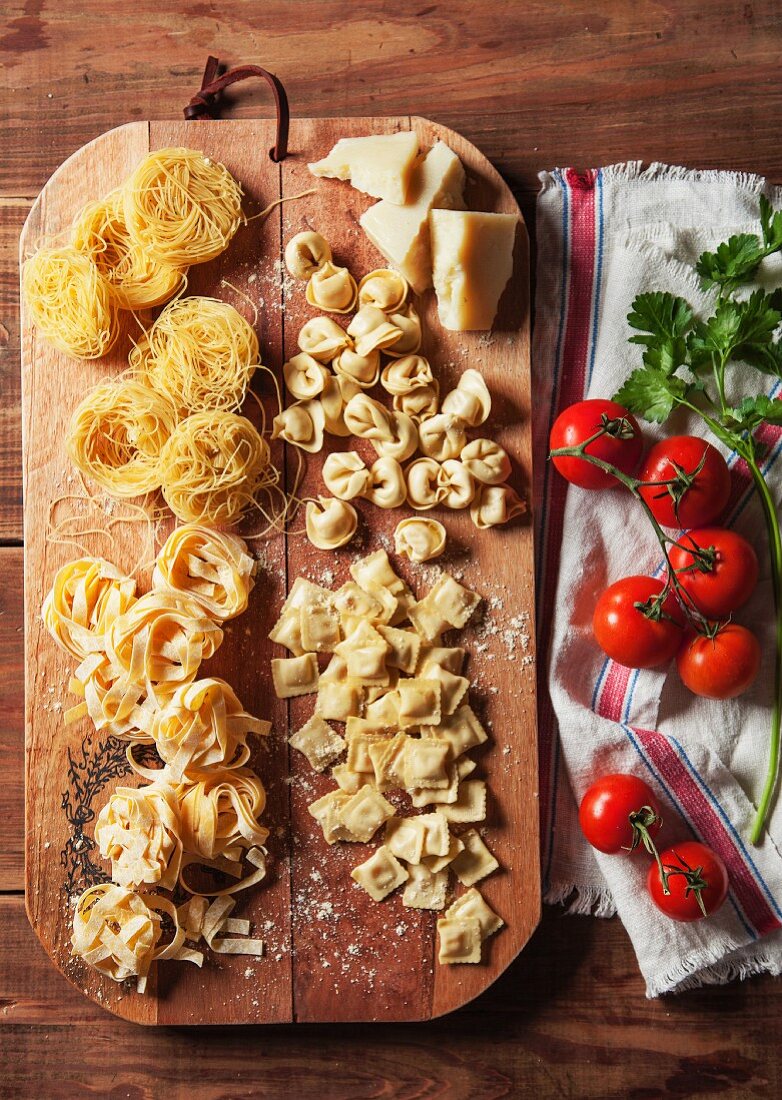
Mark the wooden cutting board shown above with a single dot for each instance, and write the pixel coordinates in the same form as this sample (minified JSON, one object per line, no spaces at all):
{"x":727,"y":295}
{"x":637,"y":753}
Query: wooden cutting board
{"x":331,"y":953}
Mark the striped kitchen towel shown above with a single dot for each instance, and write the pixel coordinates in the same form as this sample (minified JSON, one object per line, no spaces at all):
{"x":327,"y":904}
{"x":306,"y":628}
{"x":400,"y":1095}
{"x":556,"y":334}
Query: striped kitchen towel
{"x":604,"y":236}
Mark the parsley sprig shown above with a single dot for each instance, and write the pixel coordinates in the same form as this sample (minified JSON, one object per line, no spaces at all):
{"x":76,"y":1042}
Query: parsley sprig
{"x":685,"y":364}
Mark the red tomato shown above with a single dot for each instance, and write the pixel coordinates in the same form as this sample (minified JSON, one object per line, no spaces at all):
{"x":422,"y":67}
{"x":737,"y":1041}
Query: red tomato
{"x":723,"y":582}
{"x":705,"y":498}
{"x":629,"y":636}
{"x":692,"y":870}
{"x":580,"y":421}
{"x":720,"y":667}
{"x":616,"y":810}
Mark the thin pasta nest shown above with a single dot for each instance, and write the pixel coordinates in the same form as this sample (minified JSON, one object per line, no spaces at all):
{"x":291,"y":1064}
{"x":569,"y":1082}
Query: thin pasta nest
{"x":135,"y":279}
{"x":70,"y":302}
{"x":117,"y":433}
{"x":213,"y":466}
{"x":201,"y":352}
{"x":181,"y":207}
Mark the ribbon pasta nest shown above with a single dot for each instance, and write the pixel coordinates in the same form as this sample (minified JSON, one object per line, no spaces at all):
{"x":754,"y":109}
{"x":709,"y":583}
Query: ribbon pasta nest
{"x":139,"y":659}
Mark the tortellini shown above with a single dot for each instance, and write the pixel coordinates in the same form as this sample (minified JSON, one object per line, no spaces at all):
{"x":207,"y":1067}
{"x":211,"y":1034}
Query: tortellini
{"x":323,"y":339}
{"x":404,"y":375}
{"x":364,"y":370}
{"x":330,"y":523}
{"x":407,"y":321}
{"x":345,"y":475}
{"x":496,"y":504}
{"x":302,"y":425}
{"x":385,"y":329}
{"x":372,"y":330}
{"x":442,"y":437}
{"x":387,"y":488}
{"x":383,"y":288}
{"x":459,"y":484}
{"x":419,"y":539}
{"x":337,"y":391}
{"x":487,"y":461}
{"x":404,"y":441}
{"x":426,"y":485}
{"x":420,"y":404}
{"x":332,"y":288}
{"x":304,"y":376}
{"x":471,"y":400}
{"x":368,"y":419}
{"x":305,"y":253}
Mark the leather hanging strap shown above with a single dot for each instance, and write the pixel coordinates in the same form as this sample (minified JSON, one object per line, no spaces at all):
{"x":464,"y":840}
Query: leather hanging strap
{"x":204,"y":103}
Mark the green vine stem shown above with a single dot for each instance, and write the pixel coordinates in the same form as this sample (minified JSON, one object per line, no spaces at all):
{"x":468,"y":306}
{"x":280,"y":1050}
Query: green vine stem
{"x":775,"y":544}
{"x":634,"y":486}
{"x":769,"y":790}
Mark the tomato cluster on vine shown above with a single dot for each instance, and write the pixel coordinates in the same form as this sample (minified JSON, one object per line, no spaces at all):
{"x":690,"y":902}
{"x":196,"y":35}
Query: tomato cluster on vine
{"x":620,"y":813}
{"x":684,"y":485}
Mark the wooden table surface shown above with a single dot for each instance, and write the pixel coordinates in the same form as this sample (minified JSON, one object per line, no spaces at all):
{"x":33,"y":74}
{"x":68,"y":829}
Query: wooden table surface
{"x":533,"y":84}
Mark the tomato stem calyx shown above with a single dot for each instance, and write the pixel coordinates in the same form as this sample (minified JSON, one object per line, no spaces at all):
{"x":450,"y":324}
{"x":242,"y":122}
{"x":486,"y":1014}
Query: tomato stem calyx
{"x":693,"y":877}
{"x":641,"y":821}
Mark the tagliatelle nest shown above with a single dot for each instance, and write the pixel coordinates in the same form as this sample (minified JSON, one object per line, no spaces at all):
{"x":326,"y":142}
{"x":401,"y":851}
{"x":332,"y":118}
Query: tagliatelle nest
{"x":118,"y":932}
{"x":86,"y":597}
{"x":138,"y":831}
{"x":204,"y":726}
{"x":161,"y":641}
{"x":219,"y":813}
{"x":212,"y":468}
{"x":209,"y":566}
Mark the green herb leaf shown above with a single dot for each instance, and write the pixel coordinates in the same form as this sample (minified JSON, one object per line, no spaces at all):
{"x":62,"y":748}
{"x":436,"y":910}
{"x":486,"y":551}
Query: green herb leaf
{"x":771,"y":226}
{"x":753,"y":411}
{"x":735,"y":261}
{"x":742,"y":330}
{"x":651,"y":394}
{"x":766,"y":358}
{"x":663,"y":321}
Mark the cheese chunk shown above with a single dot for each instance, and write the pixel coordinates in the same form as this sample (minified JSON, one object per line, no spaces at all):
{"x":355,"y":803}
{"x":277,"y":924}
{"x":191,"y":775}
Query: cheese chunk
{"x":380,"y":165}
{"x":401,"y":233}
{"x":472,"y":260}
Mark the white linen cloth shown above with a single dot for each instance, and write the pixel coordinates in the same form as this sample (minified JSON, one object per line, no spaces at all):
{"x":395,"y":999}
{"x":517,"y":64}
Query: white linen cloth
{"x":603,"y":237}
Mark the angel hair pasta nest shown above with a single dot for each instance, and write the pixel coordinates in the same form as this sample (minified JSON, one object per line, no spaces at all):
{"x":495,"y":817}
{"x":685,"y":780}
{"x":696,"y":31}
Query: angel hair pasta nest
{"x":117,"y":433}
{"x":201,"y":352}
{"x":213,"y":466}
{"x":182,"y":207}
{"x":70,"y":302}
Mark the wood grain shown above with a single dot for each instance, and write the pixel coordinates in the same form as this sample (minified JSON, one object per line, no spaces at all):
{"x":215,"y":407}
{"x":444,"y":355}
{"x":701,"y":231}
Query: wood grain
{"x":549,"y":1027}
{"x":682,"y":82}
{"x":332,"y":953}
{"x":12,"y":719}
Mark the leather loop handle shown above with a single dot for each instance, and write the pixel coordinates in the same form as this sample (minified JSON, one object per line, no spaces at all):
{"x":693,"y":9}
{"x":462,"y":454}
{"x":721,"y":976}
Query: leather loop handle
{"x":204,"y":103}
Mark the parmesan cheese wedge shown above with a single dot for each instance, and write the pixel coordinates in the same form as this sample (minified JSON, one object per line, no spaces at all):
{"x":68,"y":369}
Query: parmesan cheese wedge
{"x":380,"y":165}
{"x":401,"y":233}
{"x":472,"y":260}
